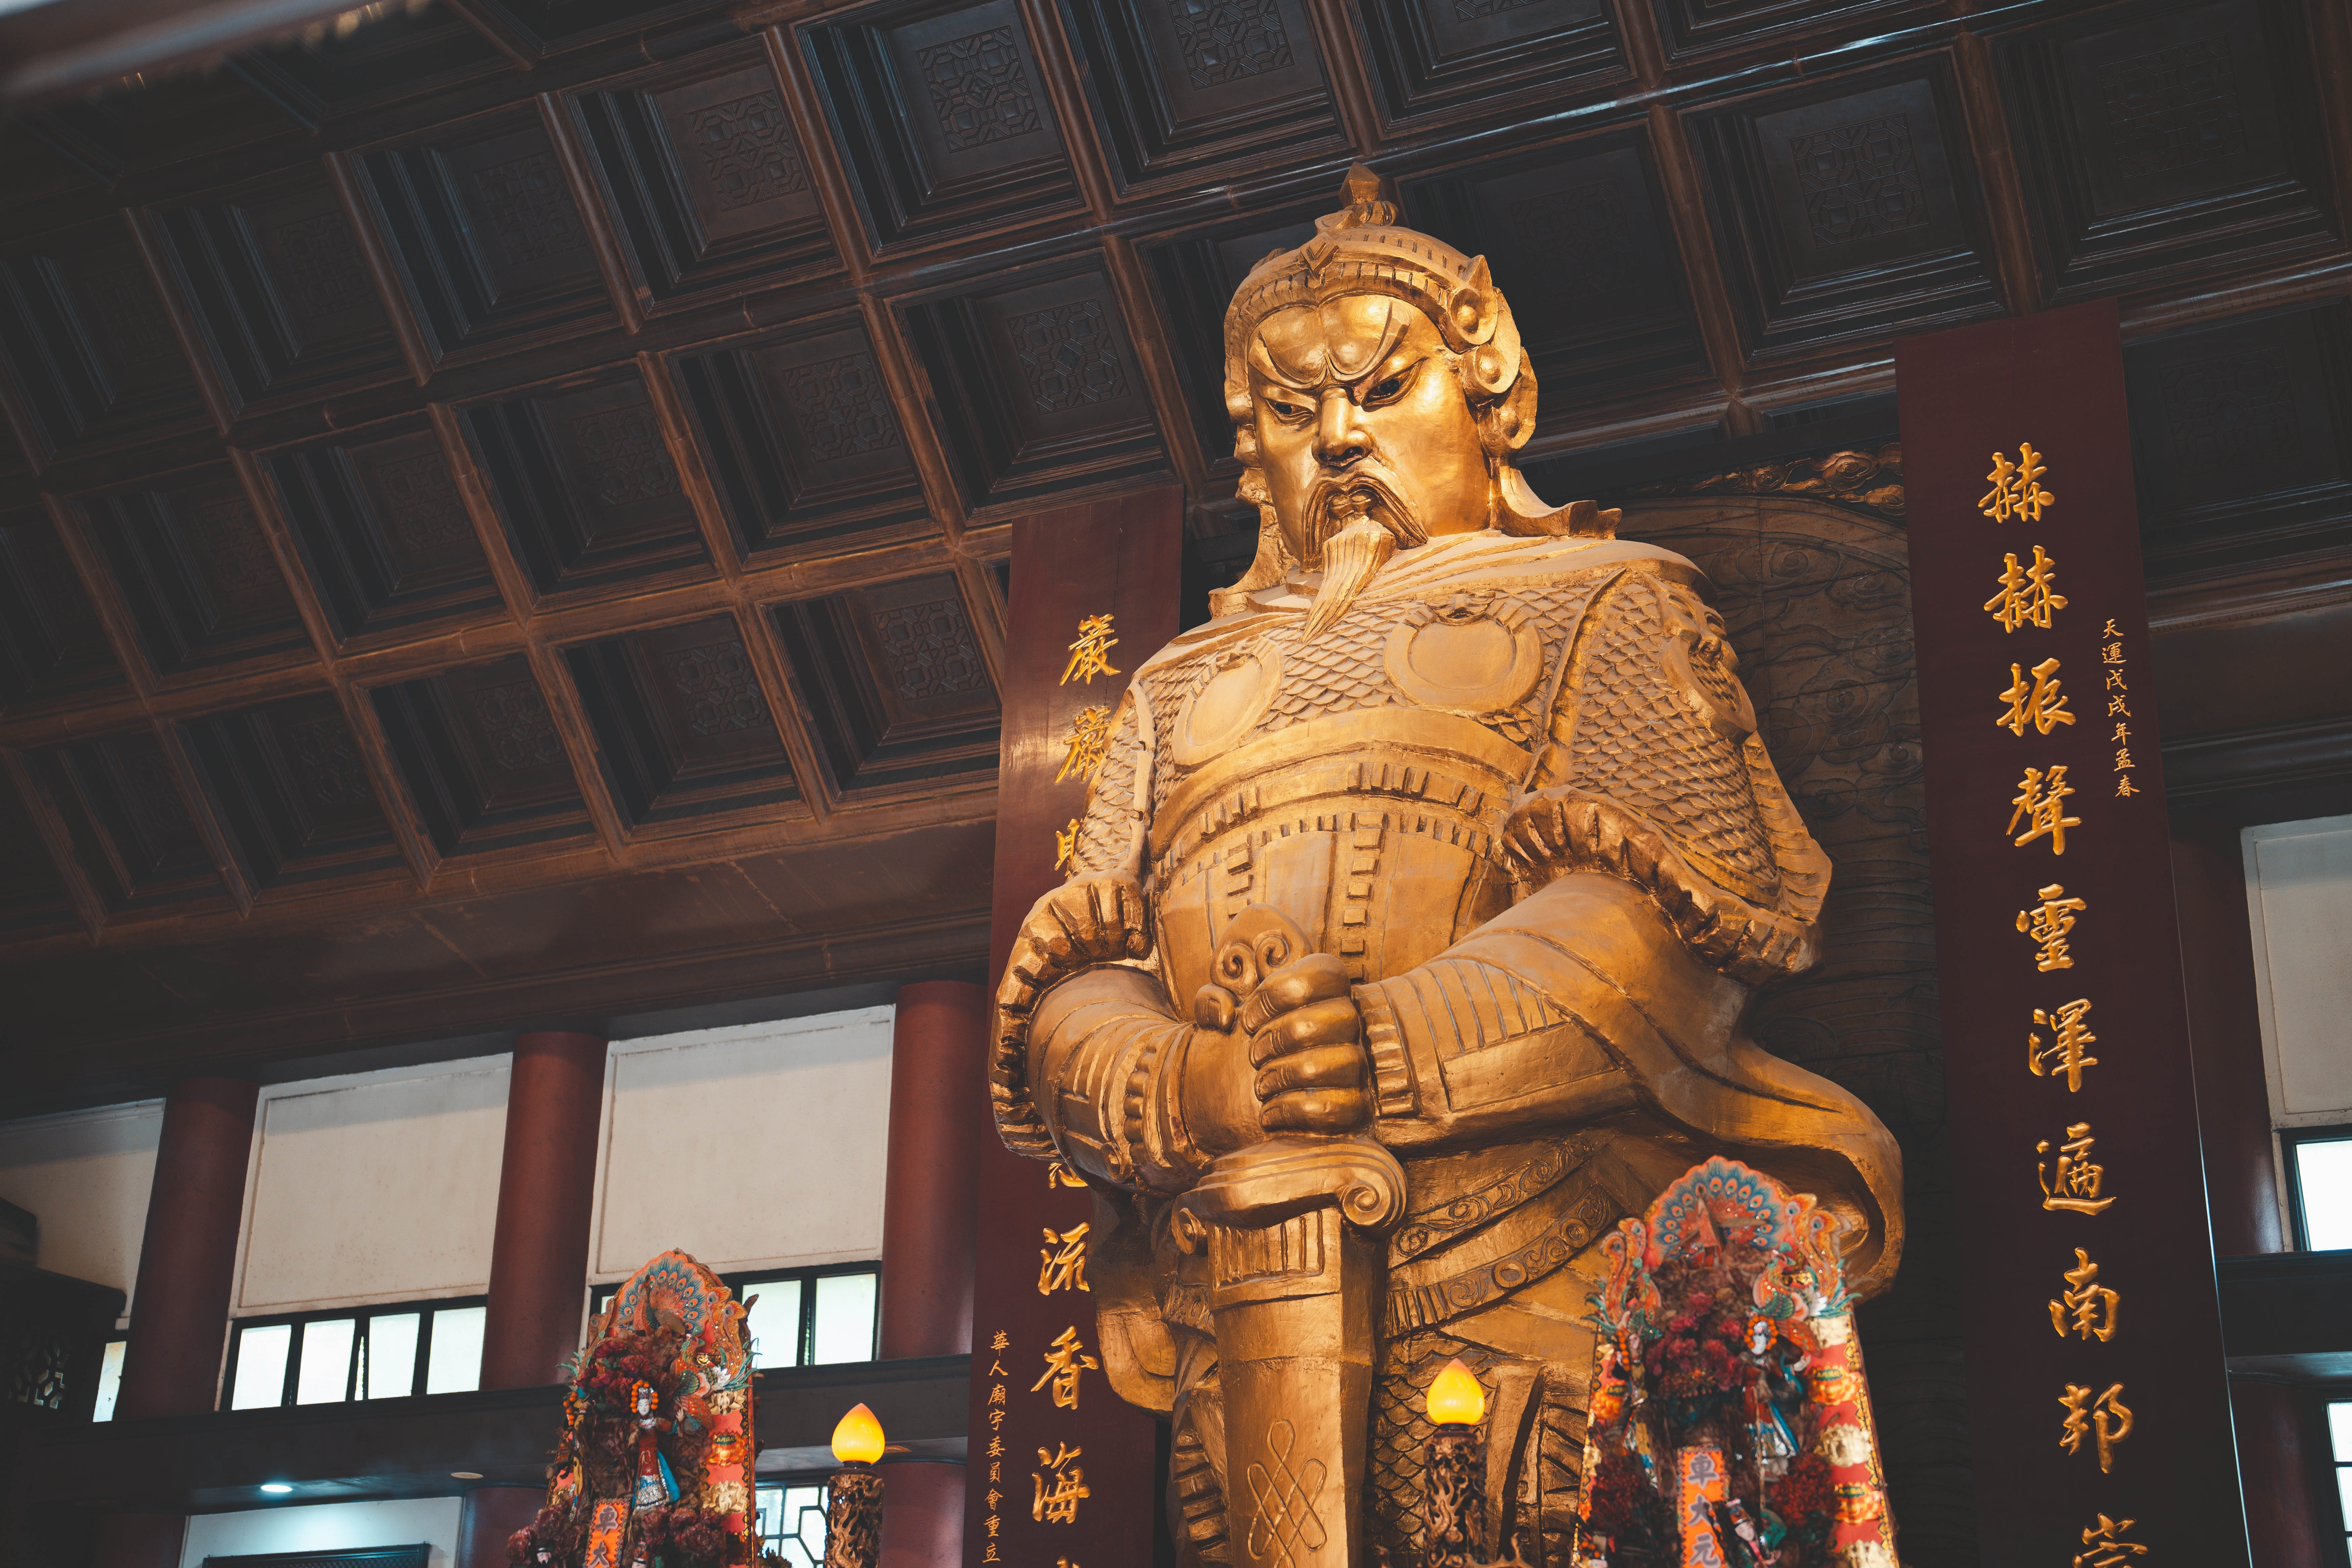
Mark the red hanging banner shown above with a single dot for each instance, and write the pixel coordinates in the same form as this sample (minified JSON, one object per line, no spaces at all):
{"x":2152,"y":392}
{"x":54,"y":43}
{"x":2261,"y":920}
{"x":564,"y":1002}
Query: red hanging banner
{"x":1061,"y":1473}
{"x":2098,"y":1404}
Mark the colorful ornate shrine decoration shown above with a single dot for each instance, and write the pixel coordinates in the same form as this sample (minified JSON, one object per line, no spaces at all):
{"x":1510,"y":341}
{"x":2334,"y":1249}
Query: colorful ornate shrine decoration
{"x":655,"y":1464}
{"x":1731,"y":1424}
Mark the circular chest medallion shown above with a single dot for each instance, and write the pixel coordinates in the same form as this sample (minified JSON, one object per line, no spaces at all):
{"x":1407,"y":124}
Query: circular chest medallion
{"x":1468,"y":657}
{"x":1222,"y":711}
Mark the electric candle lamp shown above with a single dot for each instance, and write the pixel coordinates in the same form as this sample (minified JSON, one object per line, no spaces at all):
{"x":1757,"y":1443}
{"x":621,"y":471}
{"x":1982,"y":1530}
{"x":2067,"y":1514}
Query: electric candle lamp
{"x":852,"y":1514}
{"x":1453,"y":1476}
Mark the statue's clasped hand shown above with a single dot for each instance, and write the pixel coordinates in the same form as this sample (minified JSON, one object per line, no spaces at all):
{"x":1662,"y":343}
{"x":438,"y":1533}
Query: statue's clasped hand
{"x":1279,"y":1047}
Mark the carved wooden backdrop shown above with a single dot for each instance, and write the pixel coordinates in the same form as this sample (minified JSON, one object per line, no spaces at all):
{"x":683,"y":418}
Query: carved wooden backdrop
{"x":519,"y":491}
{"x":1816,"y":594}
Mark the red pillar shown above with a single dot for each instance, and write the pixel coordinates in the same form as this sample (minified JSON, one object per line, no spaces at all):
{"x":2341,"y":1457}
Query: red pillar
{"x":2275,"y":1426}
{"x":492,"y":1514}
{"x":187,"y":1258}
{"x":179,"y":1307}
{"x":938,"y":1102}
{"x":538,"y":1257}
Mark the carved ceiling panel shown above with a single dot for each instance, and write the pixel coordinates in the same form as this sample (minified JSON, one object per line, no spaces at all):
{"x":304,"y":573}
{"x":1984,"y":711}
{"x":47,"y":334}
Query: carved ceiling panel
{"x":706,"y":175}
{"x":1849,"y":209}
{"x":280,"y":293}
{"x":91,"y":355}
{"x":294,"y":793}
{"x":1042,"y":387}
{"x":197,"y":576}
{"x":1188,"y":89}
{"x":2243,"y":438}
{"x":478,"y":750}
{"x":52,"y":645}
{"x":943,"y":119}
{"x":895,"y":684}
{"x":1696,"y":29}
{"x":121,"y":803}
{"x":805,"y":447}
{"x":484,"y":234}
{"x":1449,"y":57}
{"x":383,"y":531}
{"x":583,"y":478}
{"x":2160,"y":137}
{"x":686,"y":736}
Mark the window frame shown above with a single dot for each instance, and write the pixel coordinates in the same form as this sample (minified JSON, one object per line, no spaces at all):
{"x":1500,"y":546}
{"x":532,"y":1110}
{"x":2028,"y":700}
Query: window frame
{"x":425,"y":1309}
{"x":750,"y":1280}
{"x":2290,"y":1140}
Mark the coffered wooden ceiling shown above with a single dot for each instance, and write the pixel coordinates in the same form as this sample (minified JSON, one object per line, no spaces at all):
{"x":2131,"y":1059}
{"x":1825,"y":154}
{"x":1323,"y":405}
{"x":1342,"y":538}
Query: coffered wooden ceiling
{"x":508,"y":502}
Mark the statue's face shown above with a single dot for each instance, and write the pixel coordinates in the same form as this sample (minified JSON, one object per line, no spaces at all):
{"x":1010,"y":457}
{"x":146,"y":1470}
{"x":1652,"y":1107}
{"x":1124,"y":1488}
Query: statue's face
{"x":1355,"y":401}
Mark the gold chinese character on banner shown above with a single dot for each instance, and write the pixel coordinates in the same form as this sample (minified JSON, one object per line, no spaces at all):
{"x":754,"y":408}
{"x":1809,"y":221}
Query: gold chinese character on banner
{"x":2074,"y":1184}
{"x":1064,"y":1362}
{"x":2040,"y":803}
{"x":1060,"y":1175}
{"x":2124,"y":785}
{"x":1090,"y":655}
{"x":1065,"y":844}
{"x":1063,"y":1264}
{"x":2016,"y":487}
{"x":2104,"y":1545}
{"x":2049,"y":925}
{"x":2063,"y":1056}
{"x":2041,"y":704}
{"x":1058,"y":1500}
{"x":2026,"y":598}
{"x":2103,"y":1420}
{"x":2085,"y":1309}
{"x":1089,"y":743}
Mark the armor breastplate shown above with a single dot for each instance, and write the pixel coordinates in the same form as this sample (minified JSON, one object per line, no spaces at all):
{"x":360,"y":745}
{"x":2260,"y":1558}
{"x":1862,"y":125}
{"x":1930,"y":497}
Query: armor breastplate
{"x":1357,"y":783}
{"x":1381,"y":863}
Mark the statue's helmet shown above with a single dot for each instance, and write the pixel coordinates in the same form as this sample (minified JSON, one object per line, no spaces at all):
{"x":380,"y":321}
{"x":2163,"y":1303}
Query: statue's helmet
{"x":1362,"y":250}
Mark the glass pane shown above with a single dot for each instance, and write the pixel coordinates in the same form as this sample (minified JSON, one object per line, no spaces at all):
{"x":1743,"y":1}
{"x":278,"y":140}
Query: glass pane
{"x":774,"y":1322}
{"x":2339,"y":1434}
{"x":326,"y":1361}
{"x":261,"y":1367}
{"x":110,"y":1379}
{"x":844,"y":1318}
{"x":2325,"y":1170}
{"x":391,"y":1356}
{"x":805,"y":1527}
{"x":456,"y":1363}
{"x":2344,"y":1488}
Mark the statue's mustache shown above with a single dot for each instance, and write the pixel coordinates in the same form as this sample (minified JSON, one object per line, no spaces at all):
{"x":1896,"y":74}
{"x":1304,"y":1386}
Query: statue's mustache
{"x":1336,"y":500}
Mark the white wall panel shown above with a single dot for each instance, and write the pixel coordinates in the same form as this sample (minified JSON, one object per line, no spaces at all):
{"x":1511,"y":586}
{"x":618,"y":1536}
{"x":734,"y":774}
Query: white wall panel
{"x":374,"y":1187}
{"x":2299,"y":898}
{"x":762,"y":1146}
{"x":326,"y":1527}
{"x":85,"y":1175}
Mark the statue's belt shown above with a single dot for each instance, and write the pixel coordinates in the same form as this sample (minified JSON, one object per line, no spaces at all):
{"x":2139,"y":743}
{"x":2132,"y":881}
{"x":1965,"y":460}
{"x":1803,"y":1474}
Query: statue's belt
{"x":1521,"y":1245}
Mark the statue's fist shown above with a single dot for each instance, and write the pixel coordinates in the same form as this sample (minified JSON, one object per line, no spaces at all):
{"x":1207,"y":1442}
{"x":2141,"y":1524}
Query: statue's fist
{"x":1307,"y":1043}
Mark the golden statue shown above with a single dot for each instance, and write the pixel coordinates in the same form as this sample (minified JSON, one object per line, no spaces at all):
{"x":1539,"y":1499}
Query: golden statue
{"x":1410,"y":932}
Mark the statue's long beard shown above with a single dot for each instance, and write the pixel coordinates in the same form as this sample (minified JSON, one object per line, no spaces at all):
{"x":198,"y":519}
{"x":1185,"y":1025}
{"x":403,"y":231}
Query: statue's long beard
{"x":1351,"y":559}
{"x":1354,"y":543}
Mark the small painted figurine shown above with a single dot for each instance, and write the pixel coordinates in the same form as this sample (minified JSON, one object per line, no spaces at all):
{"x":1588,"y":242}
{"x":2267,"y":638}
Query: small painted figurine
{"x":656,"y":1484}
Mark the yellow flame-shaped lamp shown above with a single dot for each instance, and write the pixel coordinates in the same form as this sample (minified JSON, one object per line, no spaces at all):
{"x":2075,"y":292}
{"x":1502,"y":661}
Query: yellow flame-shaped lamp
{"x":1453,"y":1471}
{"x":852,"y":1514}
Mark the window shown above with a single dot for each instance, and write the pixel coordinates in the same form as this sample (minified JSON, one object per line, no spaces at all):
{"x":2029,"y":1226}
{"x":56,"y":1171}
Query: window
{"x":791,"y":1522}
{"x":110,"y":1379}
{"x":369,"y":1353}
{"x":801,"y":1316}
{"x":2319,"y":1185}
{"x":2339,"y":1442}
